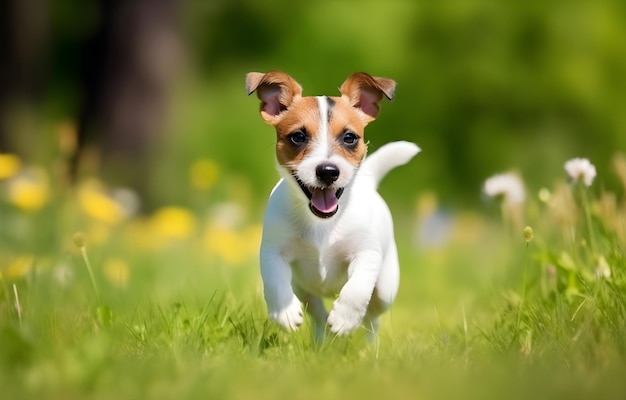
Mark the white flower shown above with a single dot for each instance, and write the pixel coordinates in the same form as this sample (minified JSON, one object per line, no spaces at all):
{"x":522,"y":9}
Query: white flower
{"x":581,"y":169}
{"x":603,"y":270}
{"x":508,"y":185}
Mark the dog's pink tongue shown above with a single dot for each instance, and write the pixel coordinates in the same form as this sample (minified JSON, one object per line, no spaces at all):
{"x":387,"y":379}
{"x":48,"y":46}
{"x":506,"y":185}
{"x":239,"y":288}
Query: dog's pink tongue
{"x":324,"y":200}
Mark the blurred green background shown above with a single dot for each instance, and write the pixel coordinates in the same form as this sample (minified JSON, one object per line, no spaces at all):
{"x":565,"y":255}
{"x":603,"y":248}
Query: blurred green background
{"x":483,"y":86}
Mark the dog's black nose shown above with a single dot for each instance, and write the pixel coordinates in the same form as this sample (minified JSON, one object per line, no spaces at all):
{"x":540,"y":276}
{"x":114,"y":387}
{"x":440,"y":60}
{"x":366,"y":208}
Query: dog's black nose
{"x":327,"y":173}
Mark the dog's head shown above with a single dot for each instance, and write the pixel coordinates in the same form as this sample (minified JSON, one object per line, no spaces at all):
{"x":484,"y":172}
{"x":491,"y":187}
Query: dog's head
{"x":319,"y":139}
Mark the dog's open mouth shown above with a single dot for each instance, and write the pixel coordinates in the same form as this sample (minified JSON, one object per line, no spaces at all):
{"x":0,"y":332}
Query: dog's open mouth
{"x":323,"y":202}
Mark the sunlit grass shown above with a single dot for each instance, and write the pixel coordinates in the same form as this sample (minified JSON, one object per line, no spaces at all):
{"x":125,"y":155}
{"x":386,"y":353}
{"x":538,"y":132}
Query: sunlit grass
{"x":168,"y":304}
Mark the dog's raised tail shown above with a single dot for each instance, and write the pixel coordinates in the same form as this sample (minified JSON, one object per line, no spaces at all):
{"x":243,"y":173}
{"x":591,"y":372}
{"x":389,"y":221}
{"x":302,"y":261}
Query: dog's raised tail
{"x":386,"y":158}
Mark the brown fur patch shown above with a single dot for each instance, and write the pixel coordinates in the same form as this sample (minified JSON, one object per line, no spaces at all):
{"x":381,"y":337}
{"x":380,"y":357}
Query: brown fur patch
{"x":344,"y":116}
{"x":303,"y":113}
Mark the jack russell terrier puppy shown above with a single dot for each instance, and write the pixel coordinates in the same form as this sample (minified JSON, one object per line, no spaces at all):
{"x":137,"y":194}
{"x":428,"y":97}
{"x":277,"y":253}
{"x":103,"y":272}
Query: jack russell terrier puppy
{"x":327,"y":232}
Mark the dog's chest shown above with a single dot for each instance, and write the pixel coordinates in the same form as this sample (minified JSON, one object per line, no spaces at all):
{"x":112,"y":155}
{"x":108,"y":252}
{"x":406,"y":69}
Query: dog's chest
{"x":320,"y":269}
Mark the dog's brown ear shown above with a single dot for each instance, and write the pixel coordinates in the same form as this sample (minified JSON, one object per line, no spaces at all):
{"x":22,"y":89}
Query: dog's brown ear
{"x":365,"y":91}
{"x":276,"y":90}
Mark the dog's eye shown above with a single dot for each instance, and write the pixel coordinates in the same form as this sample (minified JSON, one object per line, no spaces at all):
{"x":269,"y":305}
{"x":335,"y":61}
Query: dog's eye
{"x":350,"y":138}
{"x":298,"y":137}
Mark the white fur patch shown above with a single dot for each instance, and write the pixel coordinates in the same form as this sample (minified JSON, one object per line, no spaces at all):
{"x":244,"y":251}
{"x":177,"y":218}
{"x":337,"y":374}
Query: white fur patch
{"x":322,"y":152}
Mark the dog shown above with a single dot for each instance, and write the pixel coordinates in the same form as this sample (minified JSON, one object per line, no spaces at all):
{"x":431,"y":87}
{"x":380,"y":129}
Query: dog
{"x":326,"y":231}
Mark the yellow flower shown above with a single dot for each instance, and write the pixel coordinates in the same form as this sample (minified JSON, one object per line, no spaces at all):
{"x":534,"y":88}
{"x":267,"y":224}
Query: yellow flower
{"x":203,"y":174}
{"x":116,"y":270}
{"x":9,"y":165}
{"x":232,"y":246}
{"x":20,"y":267}
{"x":225,"y":243}
{"x":29,"y":190}
{"x":96,"y":203}
{"x":173,"y":222}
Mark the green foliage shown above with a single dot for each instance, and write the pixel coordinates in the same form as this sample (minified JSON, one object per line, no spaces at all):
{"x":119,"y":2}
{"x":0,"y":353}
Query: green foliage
{"x":177,"y":312}
{"x":481,"y":84}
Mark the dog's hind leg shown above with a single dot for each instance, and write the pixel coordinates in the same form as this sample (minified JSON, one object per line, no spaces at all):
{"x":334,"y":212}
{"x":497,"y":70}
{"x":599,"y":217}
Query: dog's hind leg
{"x":384,"y":292}
{"x":314,"y":306}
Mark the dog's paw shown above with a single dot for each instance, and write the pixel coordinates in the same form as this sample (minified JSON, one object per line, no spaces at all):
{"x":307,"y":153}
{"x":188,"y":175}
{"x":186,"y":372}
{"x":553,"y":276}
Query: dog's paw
{"x":290,"y":317}
{"x":343,"y":319}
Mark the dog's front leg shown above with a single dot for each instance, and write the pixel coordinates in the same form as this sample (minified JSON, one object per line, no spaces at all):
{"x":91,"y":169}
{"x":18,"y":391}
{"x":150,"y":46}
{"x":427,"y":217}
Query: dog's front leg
{"x":282,"y":304}
{"x":351,"y":305}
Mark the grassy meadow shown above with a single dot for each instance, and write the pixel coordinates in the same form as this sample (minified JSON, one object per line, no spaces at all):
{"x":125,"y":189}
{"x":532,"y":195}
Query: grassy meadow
{"x":98,"y":301}
{"x":140,"y":279}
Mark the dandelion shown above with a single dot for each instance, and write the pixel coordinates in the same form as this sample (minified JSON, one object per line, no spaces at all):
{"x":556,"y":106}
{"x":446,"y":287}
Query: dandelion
{"x":81,"y":242}
{"x":581,"y":169}
{"x":9,"y":165}
{"x":508,"y":185}
{"x":510,"y":188}
{"x":20,"y":267}
{"x":225,"y":242}
{"x":29,"y":190}
{"x":203,"y":174}
{"x":99,"y":205}
{"x":227,"y":237}
{"x":173,"y":222}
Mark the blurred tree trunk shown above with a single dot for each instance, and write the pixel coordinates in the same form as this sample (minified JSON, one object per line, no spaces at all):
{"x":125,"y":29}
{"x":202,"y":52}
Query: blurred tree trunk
{"x":128,"y":67}
{"x":23,"y":58}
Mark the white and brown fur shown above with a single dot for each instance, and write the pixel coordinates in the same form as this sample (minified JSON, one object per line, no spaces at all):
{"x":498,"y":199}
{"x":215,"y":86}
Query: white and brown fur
{"x":327,"y":232}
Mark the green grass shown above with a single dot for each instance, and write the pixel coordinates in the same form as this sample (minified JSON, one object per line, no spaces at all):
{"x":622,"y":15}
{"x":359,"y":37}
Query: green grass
{"x":485,"y":315}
